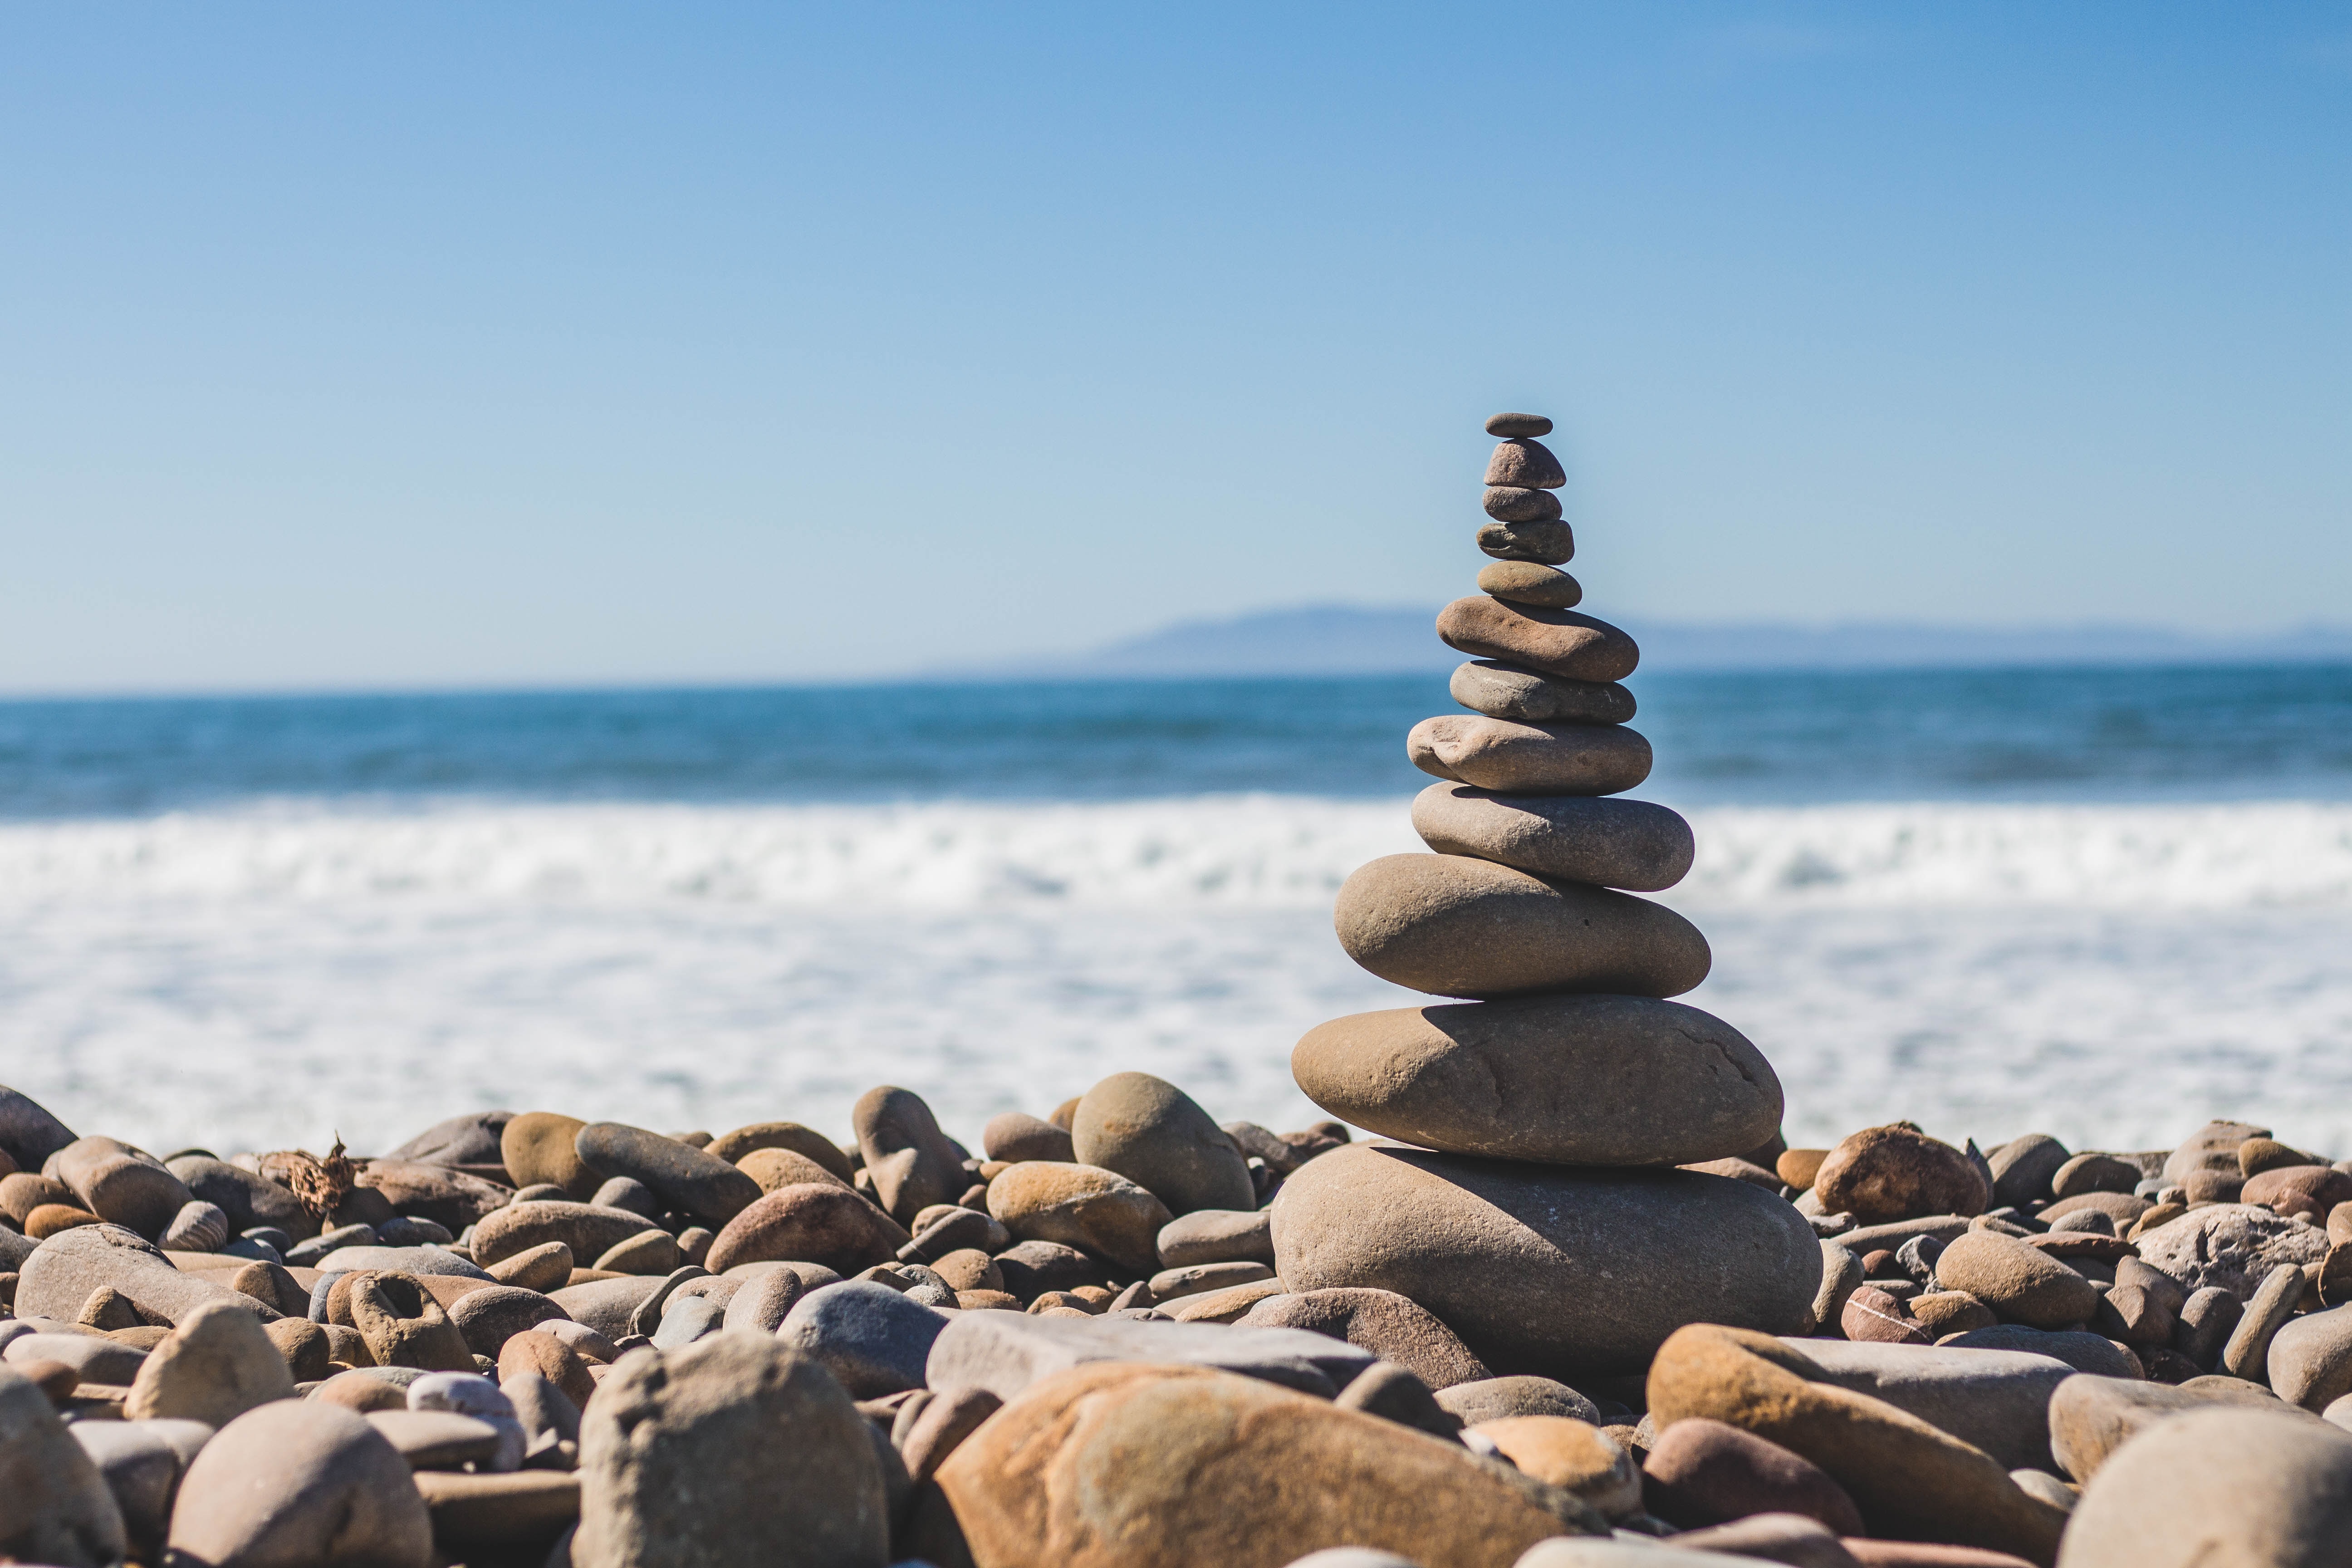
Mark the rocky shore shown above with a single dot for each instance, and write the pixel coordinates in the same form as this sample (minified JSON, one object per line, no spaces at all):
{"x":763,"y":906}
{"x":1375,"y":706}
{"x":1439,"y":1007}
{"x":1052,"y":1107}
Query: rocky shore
{"x":1574,"y":1302}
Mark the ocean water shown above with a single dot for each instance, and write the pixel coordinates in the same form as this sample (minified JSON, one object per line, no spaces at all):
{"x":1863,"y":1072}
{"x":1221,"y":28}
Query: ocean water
{"x":2108,"y":904}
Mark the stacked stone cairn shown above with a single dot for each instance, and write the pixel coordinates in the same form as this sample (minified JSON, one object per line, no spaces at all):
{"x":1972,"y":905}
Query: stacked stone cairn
{"x":1576,"y":1306}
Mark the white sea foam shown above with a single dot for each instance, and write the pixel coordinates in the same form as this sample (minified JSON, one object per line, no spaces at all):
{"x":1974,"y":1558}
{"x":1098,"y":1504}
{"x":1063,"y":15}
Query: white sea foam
{"x":2115,"y":974}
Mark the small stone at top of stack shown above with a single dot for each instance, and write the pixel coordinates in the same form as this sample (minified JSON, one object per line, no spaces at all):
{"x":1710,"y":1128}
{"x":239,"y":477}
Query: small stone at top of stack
{"x":1538,"y":1211}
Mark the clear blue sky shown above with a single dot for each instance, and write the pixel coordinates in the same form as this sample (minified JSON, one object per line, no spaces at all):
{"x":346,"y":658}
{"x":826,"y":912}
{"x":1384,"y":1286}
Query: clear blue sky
{"x":426,"y":345}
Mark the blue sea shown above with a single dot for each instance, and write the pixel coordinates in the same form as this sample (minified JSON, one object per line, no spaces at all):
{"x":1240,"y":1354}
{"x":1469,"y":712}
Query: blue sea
{"x":2106,"y":903}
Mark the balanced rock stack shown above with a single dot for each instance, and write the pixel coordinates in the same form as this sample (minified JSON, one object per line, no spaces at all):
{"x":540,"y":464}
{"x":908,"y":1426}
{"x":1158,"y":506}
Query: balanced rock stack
{"x":1532,"y":1198}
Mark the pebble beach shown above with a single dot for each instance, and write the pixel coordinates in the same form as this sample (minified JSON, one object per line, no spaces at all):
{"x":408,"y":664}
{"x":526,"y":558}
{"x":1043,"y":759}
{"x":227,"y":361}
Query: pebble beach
{"x":1538,"y":1279}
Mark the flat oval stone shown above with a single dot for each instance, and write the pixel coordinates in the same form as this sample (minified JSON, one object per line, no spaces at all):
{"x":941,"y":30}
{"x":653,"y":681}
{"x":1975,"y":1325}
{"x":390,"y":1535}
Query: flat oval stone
{"x":1506,"y":691}
{"x":1517,"y":425}
{"x":2015,"y":1280}
{"x":1518,"y":503}
{"x":1526,"y":462}
{"x":1571,"y":1080}
{"x":1529,"y":759}
{"x":1083,"y":1206}
{"x":1524,"y":583}
{"x":1381,"y":1322}
{"x":1016,"y":1135}
{"x":1547,"y":1270}
{"x":1556,"y":642}
{"x":1547,"y":542}
{"x":1216,"y":1235}
{"x":811,"y":1223}
{"x":1629,"y":843}
{"x":683,"y":1177}
{"x":805,"y":1141}
{"x":60,"y":1274}
{"x":1455,"y":926}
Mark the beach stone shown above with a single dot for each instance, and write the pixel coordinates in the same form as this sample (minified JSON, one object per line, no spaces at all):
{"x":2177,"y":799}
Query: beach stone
{"x":1501,"y":1398}
{"x":404,"y":1325}
{"x":1174,"y":1284}
{"x":546,"y":1267}
{"x":1218,"y":1468}
{"x":1842,"y":1276}
{"x":303,"y":1346}
{"x":715,"y":1454}
{"x":1527,"y":463}
{"x":55,"y":1506}
{"x":763,"y":1302}
{"x":1502,"y":754}
{"x":1517,"y":425}
{"x":421,"y":1189}
{"x":2204,"y":1323}
{"x":473,"y":1139}
{"x":2082,"y":1352}
{"x":2232,"y":1246}
{"x":218,"y":1364}
{"x":94,"y":1358}
{"x":1997,"y":1400}
{"x":686,"y":1319}
{"x":141,"y":1463}
{"x":2023,"y":1168}
{"x":909,"y":1159}
{"x":1083,"y":1206}
{"x":2121,"y":1208}
{"x":683,"y":1178}
{"x":1539,"y":539}
{"x":59,"y":1277}
{"x":246,"y":1197}
{"x":1032,"y":1268}
{"x":1895,"y":1173}
{"x":1154,"y":1134}
{"x":2256,"y":1155}
{"x":2017,"y":1281}
{"x":1520,"y":504}
{"x":439,"y":1439}
{"x":2310,"y":1358}
{"x":1559,"y":1272}
{"x":1789,"y":1537}
{"x":1216,"y":1235}
{"x":2219,"y":1489}
{"x":872,"y":1339}
{"x":22,"y":1192}
{"x":425,"y":1262}
{"x":538,"y":1146}
{"x":365,"y":1389}
{"x":1226,"y":1306}
{"x":2211,"y":1186}
{"x":2094,"y":1173}
{"x":585,"y":1230}
{"x":56,"y":1220}
{"x":1701,"y":1471}
{"x":29,"y":1133}
{"x":2213,"y":1147}
{"x":805,"y":1141}
{"x":945,"y":1228}
{"x":120,"y":1184}
{"x":301,"y":1481}
{"x":1629,"y":843}
{"x":488,"y":1318}
{"x":647,"y":1252}
{"x":1517,"y":1080}
{"x":1574,"y":1456}
{"x":1871,"y":1315}
{"x":1503,"y":690}
{"x":1005,"y":1352}
{"x":522,"y":1511}
{"x":1389,"y":1392}
{"x":1908,"y":1478}
{"x":1389,"y":1326}
{"x":1460,"y":927}
{"x":775,"y":1168}
{"x":2091,"y":1417}
{"x":198,"y":1228}
{"x":537,"y":1355}
{"x":2307,"y":1190}
{"x":1017,"y":1136}
{"x":1554,"y":642}
{"x":549,"y":1417}
{"x":1526,"y":582}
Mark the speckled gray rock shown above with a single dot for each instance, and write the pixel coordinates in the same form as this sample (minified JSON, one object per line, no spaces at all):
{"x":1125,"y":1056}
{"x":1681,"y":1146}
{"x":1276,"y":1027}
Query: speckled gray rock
{"x":1997,"y":1400}
{"x":1455,"y":926}
{"x":1543,"y":1270}
{"x":1152,"y":1133}
{"x":1529,"y":759}
{"x":2218,"y":1489}
{"x":682,"y":1177}
{"x":1578,"y":1081}
{"x":716,"y":1454}
{"x":1004,"y":1352}
{"x":1506,"y":691}
{"x":1628,"y":844}
{"x":301,"y":1481}
{"x":872,"y":1339}
{"x":1526,"y":462}
{"x":54,"y":1507}
{"x":2023,"y":1168}
{"x":2234,"y":1245}
{"x":1520,"y":503}
{"x":1557,"y":642}
{"x":61,"y":1273}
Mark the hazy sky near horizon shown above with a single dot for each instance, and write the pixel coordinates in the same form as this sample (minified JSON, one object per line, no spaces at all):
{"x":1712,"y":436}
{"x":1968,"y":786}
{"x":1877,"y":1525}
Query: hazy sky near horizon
{"x":439,"y":344}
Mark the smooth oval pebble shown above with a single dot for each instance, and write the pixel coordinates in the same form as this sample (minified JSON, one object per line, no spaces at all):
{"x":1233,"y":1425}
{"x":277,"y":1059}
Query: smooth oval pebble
{"x":1529,"y":759}
{"x":1629,"y":843}
{"x":1509,"y":425}
{"x":1081,"y":1206}
{"x":1572,"y":1080}
{"x":1557,"y":642}
{"x":1156,"y":1135}
{"x":1455,"y":926}
{"x":811,"y":1223}
{"x":1547,"y":542}
{"x":1526,"y":582}
{"x":1518,"y":503}
{"x":2218,"y":1489}
{"x":1547,"y":1269}
{"x":1506,"y":691}
{"x":301,"y":1480}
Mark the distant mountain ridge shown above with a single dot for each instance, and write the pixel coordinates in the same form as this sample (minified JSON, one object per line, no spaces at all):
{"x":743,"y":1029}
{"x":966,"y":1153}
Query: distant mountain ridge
{"x":1347,"y":640}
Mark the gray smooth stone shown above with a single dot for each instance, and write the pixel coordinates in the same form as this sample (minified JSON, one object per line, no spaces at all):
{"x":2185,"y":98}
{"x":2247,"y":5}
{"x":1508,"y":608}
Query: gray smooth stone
{"x":1496,"y":1398}
{"x":1629,"y":843}
{"x":1520,"y":503}
{"x":1997,"y":1400}
{"x":1511,"y":757}
{"x":2203,"y":1325}
{"x":2219,"y":1489}
{"x":436,"y":1439}
{"x":300,"y":1480}
{"x":688,"y":1319}
{"x":871,"y":1338}
{"x":606,"y":1305}
{"x":55,"y":1505}
{"x":472,"y":1139}
{"x":2310,"y":1358}
{"x":247,"y":1198}
{"x":589,"y":1231}
{"x":98,"y":1359}
{"x":2081,"y":1351}
{"x":2022,"y":1168}
{"x":1506,"y":691}
{"x":1004,"y":1352}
